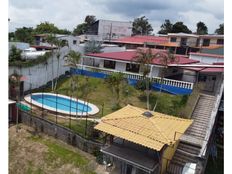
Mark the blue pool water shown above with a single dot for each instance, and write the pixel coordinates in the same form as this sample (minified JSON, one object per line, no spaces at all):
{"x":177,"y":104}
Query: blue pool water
{"x":61,"y":103}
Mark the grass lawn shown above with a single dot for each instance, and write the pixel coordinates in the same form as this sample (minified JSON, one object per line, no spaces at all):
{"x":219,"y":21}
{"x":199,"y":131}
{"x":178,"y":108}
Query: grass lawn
{"x":32,"y":153}
{"x":98,"y":92}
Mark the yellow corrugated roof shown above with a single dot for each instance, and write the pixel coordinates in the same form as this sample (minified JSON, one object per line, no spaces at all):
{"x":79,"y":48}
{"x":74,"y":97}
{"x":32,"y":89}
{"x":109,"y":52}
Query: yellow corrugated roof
{"x":153,"y":132}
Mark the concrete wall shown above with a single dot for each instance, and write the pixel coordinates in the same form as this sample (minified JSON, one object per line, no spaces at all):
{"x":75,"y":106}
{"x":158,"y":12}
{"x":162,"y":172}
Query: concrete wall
{"x":39,"y":75}
{"x":206,"y":59}
{"x":116,"y":28}
{"x":167,"y":156}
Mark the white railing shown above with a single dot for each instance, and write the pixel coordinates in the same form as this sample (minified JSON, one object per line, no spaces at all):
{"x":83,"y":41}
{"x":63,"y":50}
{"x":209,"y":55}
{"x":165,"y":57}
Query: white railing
{"x":171,"y":82}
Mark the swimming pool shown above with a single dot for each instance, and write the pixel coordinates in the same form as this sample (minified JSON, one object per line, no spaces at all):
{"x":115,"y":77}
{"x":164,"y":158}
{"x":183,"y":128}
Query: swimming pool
{"x":62,"y":104}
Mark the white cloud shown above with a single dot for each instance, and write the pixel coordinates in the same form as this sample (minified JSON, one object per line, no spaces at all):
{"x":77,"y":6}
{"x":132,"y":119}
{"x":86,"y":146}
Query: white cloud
{"x":69,"y":13}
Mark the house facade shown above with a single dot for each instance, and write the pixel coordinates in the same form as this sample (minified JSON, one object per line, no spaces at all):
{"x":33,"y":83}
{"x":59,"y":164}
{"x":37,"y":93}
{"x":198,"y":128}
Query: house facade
{"x":108,"y":29}
{"x":140,"y":141}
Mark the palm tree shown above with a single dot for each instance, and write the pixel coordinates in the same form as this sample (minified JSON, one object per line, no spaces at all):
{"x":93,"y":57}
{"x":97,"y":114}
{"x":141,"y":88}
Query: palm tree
{"x":72,"y":59}
{"x":60,"y":44}
{"x":51,"y":39}
{"x":145,"y":57}
{"x":115,"y":80}
{"x":165,"y":58}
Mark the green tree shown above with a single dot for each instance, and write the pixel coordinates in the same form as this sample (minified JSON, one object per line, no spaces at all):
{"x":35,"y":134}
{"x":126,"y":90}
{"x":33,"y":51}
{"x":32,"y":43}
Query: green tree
{"x":90,"y":19}
{"x":202,"y":28}
{"x":179,"y":27}
{"x":11,"y":36}
{"x":80,"y":29}
{"x":46,"y":27}
{"x":52,"y":40}
{"x":141,"y":26}
{"x":115,"y":80}
{"x":165,"y":58}
{"x":220,"y":30}
{"x":15,"y":54}
{"x":145,"y":57}
{"x":72,"y":60}
{"x":166,"y":27}
{"x":24,"y":35}
{"x":64,"y":31}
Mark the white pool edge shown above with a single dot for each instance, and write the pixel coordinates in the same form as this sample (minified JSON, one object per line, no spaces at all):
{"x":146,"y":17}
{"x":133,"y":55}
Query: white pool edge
{"x":94,"y":108}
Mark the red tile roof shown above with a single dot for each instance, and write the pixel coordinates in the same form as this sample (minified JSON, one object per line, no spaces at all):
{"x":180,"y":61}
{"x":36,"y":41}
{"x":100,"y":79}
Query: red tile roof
{"x":129,"y":56}
{"x":142,"y":39}
{"x":208,"y":55}
{"x":213,"y":70}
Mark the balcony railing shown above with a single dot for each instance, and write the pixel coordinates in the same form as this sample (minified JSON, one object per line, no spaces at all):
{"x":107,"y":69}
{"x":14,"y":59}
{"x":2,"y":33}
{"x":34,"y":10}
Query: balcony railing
{"x":134,"y":76}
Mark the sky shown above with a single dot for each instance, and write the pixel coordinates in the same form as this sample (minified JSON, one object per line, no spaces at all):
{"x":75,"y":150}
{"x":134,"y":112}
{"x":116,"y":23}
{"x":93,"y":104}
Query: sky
{"x":69,"y":13}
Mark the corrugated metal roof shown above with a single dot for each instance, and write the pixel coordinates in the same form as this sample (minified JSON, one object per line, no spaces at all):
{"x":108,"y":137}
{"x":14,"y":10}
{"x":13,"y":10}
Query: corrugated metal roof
{"x":152,"y":132}
{"x":129,"y":56}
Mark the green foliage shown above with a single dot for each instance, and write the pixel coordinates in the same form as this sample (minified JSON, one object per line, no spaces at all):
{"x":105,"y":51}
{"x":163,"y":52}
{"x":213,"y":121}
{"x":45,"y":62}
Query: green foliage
{"x":46,"y":27}
{"x":202,"y":28}
{"x":90,"y":19}
{"x":80,"y":29}
{"x":83,"y":27}
{"x":115,"y":81}
{"x":166,"y":27}
{"x":144,"y":58}
{"x":220,"y":30}
{"x":24,"y":35}
{"x":73,"y":58}
{"x":15,"y":54}
{"x":179,"y":27}
{"x":64,"y":31}
{"x":11,"y":36}
{"x":141,"y":26}
{"x":141,"y":85}
{"x":29,"y":62}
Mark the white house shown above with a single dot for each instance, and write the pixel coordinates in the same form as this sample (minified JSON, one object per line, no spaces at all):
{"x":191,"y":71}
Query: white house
{"x":207,"y":58}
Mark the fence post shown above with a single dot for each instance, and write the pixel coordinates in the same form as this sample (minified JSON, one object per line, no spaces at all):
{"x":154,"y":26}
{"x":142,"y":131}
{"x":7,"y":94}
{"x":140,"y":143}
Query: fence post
{"x":42,"y":103}
{"x":70,"y":112}
{"x":56,"y":107}
{"x":102,"y":108}
{"x":86,"y":119}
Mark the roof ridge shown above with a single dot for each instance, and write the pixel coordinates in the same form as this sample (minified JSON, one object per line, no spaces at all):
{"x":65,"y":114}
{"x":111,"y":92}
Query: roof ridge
{"x":152,"y":121}
{"x":136,"y":133}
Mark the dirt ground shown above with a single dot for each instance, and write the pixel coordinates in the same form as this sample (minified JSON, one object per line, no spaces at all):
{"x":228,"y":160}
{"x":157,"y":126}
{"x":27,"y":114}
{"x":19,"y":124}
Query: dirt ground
{"x":27,"y":156}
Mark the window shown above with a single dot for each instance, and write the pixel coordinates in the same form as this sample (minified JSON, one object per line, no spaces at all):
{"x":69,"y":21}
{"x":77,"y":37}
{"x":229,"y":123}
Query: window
{"x":109,"y":64}
{"x":132,"y":67}
{"x":183,"y":41}
{"x":74,"y":42}
{"x":173,"y":39}
{"x":220,"y":41}
{"x":206,"y":42}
